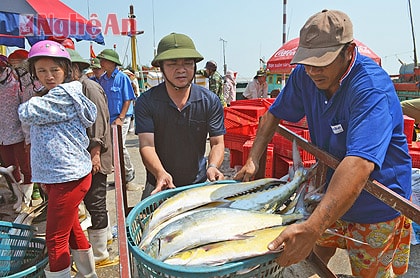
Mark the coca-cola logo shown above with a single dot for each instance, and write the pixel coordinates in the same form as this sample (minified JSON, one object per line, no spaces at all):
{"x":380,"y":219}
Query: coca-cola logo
{"x":285,"y":52}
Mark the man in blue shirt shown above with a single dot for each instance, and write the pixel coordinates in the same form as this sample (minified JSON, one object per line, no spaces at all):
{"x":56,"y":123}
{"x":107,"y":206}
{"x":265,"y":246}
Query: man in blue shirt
{"x":354,"y":114}
{"x":120,"y":95}
{"x":174,"y":118}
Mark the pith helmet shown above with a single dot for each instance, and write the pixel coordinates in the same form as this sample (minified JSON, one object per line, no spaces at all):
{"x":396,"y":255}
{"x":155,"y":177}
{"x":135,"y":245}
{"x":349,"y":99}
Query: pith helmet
{"x":95,"y":63}
{"x":176,"y":46}
{"x":76,"y":58}
{"x":110,"y":55}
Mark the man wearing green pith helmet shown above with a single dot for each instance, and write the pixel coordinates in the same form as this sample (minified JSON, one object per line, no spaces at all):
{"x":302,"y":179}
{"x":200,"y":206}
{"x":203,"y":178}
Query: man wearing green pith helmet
{"x":120,"y":95}
{"x":174,"y":119}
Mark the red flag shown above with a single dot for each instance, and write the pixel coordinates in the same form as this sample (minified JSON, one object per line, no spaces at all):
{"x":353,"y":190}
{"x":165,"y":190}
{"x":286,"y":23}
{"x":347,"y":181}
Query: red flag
{"x":92,"y":53}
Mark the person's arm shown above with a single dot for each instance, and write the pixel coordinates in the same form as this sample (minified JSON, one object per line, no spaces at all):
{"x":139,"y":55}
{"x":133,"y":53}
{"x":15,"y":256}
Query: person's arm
{"x":265,"y":132}
{"x":120,"y":119}
{"x":345,"y":186}
{"x":152,"y":162}
{"x":250,"y":90}
{"x":95,"y":156}
{"x":215,"y":159}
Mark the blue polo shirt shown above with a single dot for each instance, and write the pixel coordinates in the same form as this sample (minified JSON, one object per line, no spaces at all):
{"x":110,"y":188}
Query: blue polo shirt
{"x":363,"y":118}
{"x":118,"y":90}
{"x":180,"y":136}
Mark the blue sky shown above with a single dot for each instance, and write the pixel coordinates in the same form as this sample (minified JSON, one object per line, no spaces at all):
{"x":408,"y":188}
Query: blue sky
{"x":253,"y":29}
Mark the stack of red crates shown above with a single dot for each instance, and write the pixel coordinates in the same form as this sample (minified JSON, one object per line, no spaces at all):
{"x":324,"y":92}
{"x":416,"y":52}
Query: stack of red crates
{"x":413,"y":147}
{"x":283,"y":151}
{"x":241,"y":122}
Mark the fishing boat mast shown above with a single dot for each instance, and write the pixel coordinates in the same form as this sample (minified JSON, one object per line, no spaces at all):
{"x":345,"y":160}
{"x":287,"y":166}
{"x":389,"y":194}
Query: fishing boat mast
{"x":133,"y":33}
{"x":414,"y":38}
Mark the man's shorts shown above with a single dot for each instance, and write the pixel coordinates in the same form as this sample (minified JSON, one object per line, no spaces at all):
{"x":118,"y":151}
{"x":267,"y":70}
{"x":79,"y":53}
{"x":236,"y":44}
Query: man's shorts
{"x":388,"y":250}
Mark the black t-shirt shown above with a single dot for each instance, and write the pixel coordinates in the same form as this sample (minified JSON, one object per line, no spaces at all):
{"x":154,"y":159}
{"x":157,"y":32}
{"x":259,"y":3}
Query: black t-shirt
{"x":180,"y":136}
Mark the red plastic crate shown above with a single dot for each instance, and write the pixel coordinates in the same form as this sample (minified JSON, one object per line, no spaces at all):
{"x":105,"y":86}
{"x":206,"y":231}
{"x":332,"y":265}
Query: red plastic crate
{"x":415,"y":146}
{"x":415,"y":158}
{"x":269,"y":158}
{"x":235,"y":119}
{"x":236,"y":141}
{"x":264,"y":102}
{"x":246,"y":130}
{"x":283,"y":146}
{"x":253,"y":111}
{"x":236,"y":158}
{"x":408,"y":128}
{"x":282,"y":165}
{"x":269,"y":163}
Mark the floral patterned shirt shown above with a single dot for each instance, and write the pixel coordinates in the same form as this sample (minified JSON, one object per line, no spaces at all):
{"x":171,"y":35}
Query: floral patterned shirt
{"x":10,"y":126}
{"x":59,"y":142}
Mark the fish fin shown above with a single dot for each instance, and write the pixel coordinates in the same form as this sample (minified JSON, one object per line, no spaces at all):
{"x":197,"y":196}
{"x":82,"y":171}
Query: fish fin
{"x":218,"y":263}
{"x":240,"y":237}
{"x":300,"y":204}
{"x":297,"y":159}
{"x":172,"y":235}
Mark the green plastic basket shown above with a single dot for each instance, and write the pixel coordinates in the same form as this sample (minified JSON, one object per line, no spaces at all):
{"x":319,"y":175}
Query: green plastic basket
{"x":258,"y":267}
{"x":35,"y":260}
{"x":14,"y":242}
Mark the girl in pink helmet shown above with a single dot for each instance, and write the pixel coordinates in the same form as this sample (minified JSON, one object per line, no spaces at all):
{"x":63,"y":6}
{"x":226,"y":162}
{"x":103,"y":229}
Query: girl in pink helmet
{"x":59,"y":156}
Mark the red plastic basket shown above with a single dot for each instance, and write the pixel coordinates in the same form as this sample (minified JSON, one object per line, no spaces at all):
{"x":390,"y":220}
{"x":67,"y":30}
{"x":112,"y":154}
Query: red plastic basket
{"x":283,"y":146}
{"x":415,"y":158}
{"x":253,"y":111}
{"x":282,"y":165}
{"x":269,"y":157}
{"x":408,"y":128}
{"x":263,"y":102}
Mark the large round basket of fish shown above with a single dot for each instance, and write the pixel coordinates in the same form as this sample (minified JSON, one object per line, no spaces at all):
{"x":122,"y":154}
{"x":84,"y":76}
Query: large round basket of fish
{"x":219,"y":229}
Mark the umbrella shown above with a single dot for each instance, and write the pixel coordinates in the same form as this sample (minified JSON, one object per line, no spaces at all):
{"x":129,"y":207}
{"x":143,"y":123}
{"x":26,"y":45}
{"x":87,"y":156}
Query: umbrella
{"x":36,"y":20}
{"x":280,"y":61}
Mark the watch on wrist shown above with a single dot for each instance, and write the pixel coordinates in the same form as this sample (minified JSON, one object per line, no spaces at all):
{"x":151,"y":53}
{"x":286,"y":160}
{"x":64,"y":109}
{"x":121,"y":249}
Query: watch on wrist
{"x":121,"y":118}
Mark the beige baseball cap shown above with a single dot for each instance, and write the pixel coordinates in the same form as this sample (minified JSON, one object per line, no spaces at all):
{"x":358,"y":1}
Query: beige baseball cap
{"x":322,"y":38}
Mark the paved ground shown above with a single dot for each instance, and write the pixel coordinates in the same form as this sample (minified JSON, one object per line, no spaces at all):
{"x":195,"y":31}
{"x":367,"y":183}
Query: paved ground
{"x":339,"y":264}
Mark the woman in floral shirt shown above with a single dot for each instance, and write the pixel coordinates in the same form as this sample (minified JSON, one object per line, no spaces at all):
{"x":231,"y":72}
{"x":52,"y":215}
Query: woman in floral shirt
{"x":12,"y":137}
{"x":58,"y":121}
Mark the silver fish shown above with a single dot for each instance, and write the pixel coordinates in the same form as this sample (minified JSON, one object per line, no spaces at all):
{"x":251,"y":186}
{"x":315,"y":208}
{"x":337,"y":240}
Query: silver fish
{"x":198,"y":196}
{"x":211,"y":225}
{"x":254,"y":244}
{"x":269,"y":200}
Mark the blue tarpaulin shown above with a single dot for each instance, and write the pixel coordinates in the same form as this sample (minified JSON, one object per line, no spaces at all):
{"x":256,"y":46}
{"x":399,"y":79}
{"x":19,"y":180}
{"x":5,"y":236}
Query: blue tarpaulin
{"x":35,"y":20}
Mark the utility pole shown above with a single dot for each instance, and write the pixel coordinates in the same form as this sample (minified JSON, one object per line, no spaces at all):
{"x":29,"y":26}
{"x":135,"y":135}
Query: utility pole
{"x":284,"y":21}
{"x":224,"y":56}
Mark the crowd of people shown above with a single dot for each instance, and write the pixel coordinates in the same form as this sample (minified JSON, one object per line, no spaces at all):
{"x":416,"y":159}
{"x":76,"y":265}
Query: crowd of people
{"x":58,"y":108}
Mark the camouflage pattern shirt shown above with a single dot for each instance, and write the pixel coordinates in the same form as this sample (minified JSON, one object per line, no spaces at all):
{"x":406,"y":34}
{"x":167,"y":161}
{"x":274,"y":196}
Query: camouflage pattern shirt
{"x":215,"y":84}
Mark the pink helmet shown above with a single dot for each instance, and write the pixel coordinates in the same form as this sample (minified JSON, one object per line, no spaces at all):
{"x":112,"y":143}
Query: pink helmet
{"x":48,"y":49}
